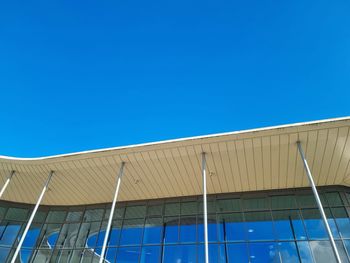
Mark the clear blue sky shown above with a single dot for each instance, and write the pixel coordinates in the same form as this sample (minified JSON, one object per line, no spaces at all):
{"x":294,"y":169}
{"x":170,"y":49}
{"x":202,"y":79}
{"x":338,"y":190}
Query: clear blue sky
{"x":80,"y":75}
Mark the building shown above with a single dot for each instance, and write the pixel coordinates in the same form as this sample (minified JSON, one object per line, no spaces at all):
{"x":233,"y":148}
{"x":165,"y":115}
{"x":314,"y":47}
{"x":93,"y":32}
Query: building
{"x":250,"y":190}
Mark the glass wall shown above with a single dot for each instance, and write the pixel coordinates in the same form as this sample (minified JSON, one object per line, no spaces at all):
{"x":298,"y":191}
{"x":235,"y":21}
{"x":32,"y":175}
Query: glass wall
{"x":283,"y":226}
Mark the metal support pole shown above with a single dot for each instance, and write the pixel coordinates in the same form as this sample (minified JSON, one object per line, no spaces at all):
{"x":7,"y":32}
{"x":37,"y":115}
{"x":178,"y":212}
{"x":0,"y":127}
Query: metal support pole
{"x":108,"y":229}
{"x":6,"y":183}
{"x":205,"y":212}
{"x":31,"y":218}
{"x":319,"y":204}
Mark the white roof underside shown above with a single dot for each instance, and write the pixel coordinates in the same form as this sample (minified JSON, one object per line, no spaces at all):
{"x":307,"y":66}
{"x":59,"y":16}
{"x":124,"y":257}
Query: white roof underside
{"x":251,"y":160}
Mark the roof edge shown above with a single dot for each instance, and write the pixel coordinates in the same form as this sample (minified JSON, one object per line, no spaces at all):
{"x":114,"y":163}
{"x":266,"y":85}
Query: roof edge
{"x":176,"y":140}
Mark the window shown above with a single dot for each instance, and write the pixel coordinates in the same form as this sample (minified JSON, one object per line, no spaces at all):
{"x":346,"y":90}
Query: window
{"x":171,"y":228}
{"x":131,"y":232}
{"x":150,"y":254}
{"x":259,"y":226}
{"x":270,"y":228}
{"x":180,"y":254}
{"x":237,"y":252}
{"x":128,"y":254}
{"x":288,"y":225}
{"x":283,"y":202}
{"x":188,"y":229}
{"x":233,"y":226}
{"x":314,"y":225}
{"x":263,"y":252}
{"x":228,"y":205}
{"x":153,"y":231}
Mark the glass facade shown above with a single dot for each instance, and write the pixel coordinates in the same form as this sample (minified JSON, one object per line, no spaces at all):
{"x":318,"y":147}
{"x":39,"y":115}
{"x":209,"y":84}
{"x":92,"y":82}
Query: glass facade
{"x":274,"y":226}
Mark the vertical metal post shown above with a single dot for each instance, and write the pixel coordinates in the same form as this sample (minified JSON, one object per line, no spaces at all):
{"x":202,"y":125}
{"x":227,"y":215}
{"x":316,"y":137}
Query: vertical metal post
{"x":319,"y":203}
{"x":205,"y":212}
{"x":6,"y":183}
{"x":31,"y":218}
{"x":108,"y":229}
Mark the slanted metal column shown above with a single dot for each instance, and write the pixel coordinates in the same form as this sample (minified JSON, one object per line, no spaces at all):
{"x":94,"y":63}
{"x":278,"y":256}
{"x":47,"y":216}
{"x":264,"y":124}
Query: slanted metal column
{"x":32,"y":217}
{"x":319,"y":203}
{"x":6,"y":183}
{"x":108,"y":229}
{"x":205,"y":212}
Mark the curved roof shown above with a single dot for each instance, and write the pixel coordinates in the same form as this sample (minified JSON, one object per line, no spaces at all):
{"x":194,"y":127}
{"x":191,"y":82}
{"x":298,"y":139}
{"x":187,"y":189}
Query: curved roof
{"x":250,"y":160}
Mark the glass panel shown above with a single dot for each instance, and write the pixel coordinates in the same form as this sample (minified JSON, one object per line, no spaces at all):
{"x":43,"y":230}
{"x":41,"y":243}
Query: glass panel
{"x":32,"y":236}
{"x":334,"y":199}
{"x":342,"y":253}
{"x":115,"y":233}
{"x":83,"y":234}
{"x":343,"y":221}
{"x":3,"y":253}
{"x":322,"y":251}
{"x":233,"y":227}
{"x":64,"y":255}
{"x":101,"y":234}
{"x":222,"y":253}
{"x":333,"y":227}
{"x":89,"y":256}
{"x":135,"y":211}
{"x":153,"y":231}
{"x":211,"y":206}
{"x":228,"y":205}
{"x":288,"y":252}
{"x":261,"y":203}
{"x":150,"y":254}
{"x":40,"y":217}
{"x":263,"y":252}
{"x":288,"y":225}
{"x":304,"y":252}
{"x":131,"y":232}
{"x":189,"y":208}
{"x":348,"y":197}
{"x":118,"y":212}
{"x":308,"y":200}
{"x":188,"y":229}
{"x":216,"y":253}
{"x":347,"y":245}
{"x":111,"y":254}
{"x":76,"y":255}
{"x":314,"y":224}
{"x":41,"y":255}
{"x":128,"y":254}
{"x":17,"y":214}
{"x":237,"y":253}
{"x":2,"y":213}
{"x":93,"y":215}
{"x":283,"y":202}
{"x":74,"y":216}
{"x":155,"y":210}
{"x":56,"y":217}
{"x":259,"y":226}
{"x":172,"y":209}
{"x":49,"y":235}
{"x":25,"y":255}
{"x":93,"y":233}
{"x":212,"y":229}
{"x":179,"y":254}
{"x":171,"y":225}
{"x":61,"y":237}
{"x":68,"y":235}
{"x":9,"y":233}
